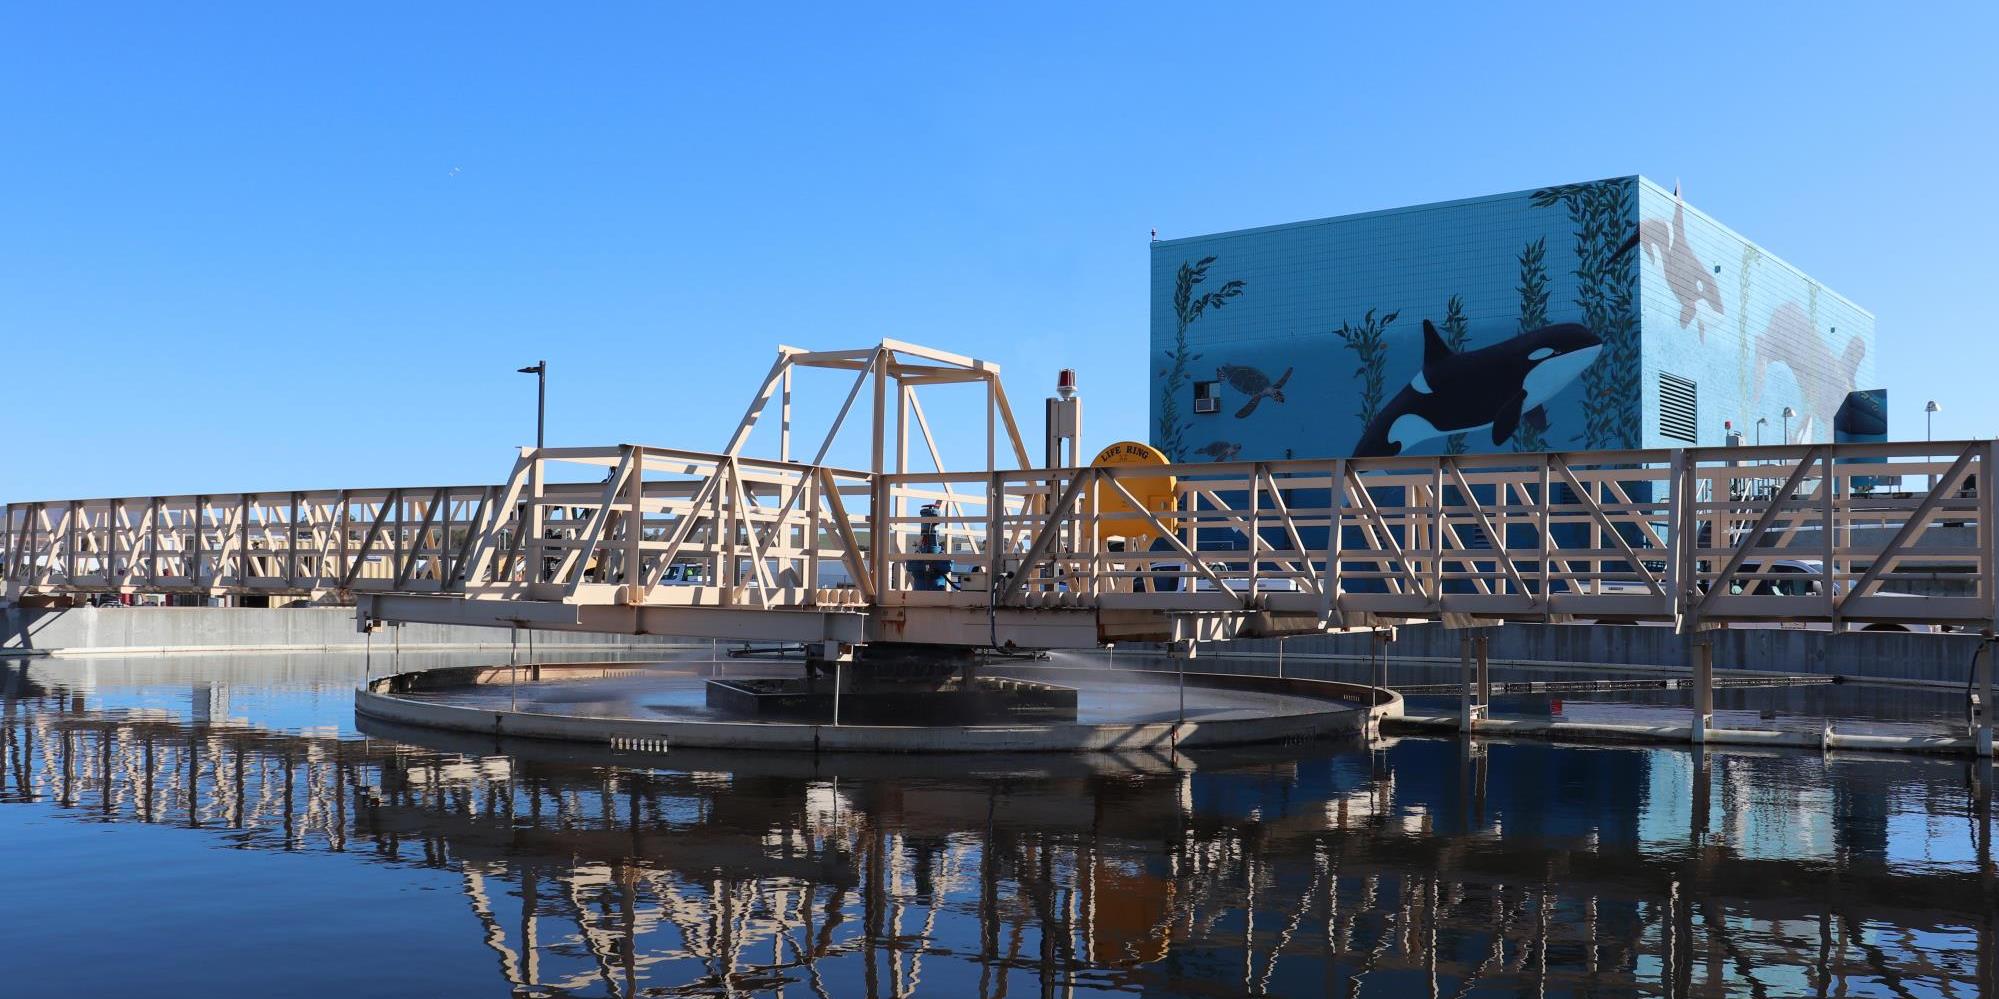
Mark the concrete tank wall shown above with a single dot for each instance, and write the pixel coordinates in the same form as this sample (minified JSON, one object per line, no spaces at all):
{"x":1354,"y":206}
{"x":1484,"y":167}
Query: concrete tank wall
{"x":1880,"y":655}
{"x":136,"y":630}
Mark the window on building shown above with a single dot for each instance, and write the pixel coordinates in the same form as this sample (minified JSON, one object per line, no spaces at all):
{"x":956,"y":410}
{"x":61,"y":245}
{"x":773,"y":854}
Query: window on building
{"x":1679,"y":409}
{"x":1207,"y":397}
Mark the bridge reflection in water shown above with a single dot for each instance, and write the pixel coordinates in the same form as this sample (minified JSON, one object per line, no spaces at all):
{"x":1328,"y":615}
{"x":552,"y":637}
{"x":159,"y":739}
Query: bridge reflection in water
{"x":1416,"y":867}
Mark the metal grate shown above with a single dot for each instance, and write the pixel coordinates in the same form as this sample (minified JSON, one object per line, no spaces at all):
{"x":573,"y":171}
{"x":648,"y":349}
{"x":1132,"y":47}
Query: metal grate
{"x":1679,"y":409}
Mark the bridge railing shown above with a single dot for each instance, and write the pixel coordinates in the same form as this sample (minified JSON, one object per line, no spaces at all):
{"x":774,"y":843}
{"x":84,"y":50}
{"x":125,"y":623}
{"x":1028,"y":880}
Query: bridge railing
{"x":1826,"y":533}
{"x":1820,"y":533}
{"x":294,"y":543}
{"x":663,"y":526}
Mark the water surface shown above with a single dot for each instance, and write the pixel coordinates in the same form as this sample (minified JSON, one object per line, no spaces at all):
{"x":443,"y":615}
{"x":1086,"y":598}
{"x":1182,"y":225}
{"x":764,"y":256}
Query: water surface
{"x":220,"y":825}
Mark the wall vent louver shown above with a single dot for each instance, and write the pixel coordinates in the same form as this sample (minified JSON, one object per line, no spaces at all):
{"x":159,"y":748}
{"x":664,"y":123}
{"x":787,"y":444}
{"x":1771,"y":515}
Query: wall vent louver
{"x":1679,"y":409}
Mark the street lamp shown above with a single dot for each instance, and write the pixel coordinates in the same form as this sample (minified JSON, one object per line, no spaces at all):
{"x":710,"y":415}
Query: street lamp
{"x":1930,"y":411}
{"x":1787,"y":414}
{"x":539,"y":370}
{"x":1760,"y":421}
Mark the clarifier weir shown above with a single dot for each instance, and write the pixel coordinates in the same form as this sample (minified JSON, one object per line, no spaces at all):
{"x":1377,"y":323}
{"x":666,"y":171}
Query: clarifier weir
{"x":666,"y":706}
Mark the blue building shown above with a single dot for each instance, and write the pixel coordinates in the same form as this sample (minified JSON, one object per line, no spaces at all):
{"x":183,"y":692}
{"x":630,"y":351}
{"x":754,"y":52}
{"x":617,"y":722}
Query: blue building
{"x":1602,"y":315}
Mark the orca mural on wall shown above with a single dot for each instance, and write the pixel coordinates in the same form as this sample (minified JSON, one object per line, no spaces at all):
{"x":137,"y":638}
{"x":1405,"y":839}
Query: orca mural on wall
{"x":1792,"y":340}
{"x":1689,"y":278}
{"x":1495,"y":387}
{"x":1253,"y":383}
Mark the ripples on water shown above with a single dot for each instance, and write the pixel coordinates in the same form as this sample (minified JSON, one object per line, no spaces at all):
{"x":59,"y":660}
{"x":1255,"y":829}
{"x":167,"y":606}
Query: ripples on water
{"x":217,"y":825}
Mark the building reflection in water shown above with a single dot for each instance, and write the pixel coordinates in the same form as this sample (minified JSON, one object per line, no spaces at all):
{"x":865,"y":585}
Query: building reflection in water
{"x":1415,"y":867}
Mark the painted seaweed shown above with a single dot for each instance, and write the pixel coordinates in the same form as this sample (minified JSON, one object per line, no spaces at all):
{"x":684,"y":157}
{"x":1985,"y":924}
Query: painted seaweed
{"x":1533,"y":290}
{"x":1369,"y":343}
{"x":1603,"y":213}
{"x":1187,"y":307}
{"x":1456,"y":330}
{"x":1534,"y":285}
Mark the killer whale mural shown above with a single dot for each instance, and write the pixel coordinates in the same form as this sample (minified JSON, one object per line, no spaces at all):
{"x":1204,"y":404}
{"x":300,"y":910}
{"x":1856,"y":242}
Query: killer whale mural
{"x":1824,"y":380}
{"x":1339,"y":303}
{"x":1690,"y":280}
{"x":1492,"y":388}
{"x":1253,"y":383}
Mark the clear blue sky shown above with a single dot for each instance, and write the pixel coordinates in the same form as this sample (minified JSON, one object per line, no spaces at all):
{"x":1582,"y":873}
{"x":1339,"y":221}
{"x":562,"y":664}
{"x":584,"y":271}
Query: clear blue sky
{"x":269,"y":246}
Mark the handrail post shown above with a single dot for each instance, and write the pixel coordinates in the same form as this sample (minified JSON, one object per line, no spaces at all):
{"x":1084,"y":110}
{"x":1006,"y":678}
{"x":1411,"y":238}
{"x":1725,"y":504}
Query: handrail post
{"x":1256,"y":473}
{"x":635,"y":528}
{"x":995,"y":532}
{"x":532,"y":547}
{"x":1468,"y":712}
{"x":1484,"y":674}
{"x":1979,"y":706}
{"x":1703,"y":649}
{"x":1675,"y":578}
{"x":1988,"y":530}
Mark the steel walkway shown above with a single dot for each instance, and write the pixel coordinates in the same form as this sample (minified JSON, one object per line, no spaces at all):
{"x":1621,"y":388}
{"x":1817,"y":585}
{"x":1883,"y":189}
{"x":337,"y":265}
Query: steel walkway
{"x":639,"y":539}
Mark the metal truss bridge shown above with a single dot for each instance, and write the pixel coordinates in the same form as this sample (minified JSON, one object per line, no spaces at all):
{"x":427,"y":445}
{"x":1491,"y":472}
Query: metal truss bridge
{"x":639,"y":539}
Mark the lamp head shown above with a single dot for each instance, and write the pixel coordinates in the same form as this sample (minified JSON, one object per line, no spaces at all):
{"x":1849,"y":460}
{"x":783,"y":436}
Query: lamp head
{"x":1789,"y":412}
{"x":1932,"y":407}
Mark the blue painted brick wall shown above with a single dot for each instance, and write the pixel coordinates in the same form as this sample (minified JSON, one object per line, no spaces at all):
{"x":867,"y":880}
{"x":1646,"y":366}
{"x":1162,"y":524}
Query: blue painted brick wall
{"x":1753,"y":332}
{"x":1751,"y":354}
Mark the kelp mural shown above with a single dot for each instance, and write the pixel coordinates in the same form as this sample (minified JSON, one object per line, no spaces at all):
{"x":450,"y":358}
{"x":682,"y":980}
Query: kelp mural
{"x":1533,"y":290}
{"x":1369,"y":343}
{"x":1187,"y":308}
{"x":1534,"y":285}
{"x":1510,"y":323}
{"x":1524,"y":372}
{"x":1744,"y":284}
{"x":1604,"y":215}
{"x":1457,"y":329}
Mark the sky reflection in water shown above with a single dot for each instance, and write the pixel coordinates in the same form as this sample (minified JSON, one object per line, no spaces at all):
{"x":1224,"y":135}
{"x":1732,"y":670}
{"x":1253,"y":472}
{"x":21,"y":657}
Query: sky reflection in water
{"x":218,"y":824}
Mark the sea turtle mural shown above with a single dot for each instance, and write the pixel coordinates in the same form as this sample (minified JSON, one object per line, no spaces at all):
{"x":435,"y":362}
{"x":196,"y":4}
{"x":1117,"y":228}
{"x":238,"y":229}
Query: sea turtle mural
{"x":1254,"y":383}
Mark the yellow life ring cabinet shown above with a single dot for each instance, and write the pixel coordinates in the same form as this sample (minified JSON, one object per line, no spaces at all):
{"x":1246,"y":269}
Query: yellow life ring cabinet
{"x":1157,"y":493}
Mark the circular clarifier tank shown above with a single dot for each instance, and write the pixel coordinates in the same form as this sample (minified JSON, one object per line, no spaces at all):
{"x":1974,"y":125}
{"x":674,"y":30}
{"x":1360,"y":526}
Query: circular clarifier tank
{"x":1010,"y":707}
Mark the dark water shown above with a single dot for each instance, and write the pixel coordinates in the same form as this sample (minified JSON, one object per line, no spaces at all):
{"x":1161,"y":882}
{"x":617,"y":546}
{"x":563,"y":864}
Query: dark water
{"x":1856,"y":708}
{"x":194,"y":826}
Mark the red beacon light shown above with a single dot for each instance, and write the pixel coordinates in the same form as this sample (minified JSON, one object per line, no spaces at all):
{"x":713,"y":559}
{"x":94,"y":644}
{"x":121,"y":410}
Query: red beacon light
{"x":1065,"y":383}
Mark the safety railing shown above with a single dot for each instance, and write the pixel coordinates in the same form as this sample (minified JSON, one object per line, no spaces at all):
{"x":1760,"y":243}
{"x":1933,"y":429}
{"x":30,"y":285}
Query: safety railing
{"x":1823,"y":534}
{"x":663,"y":526}
{"x":300,"y":543}
{"x":1689,"y":536}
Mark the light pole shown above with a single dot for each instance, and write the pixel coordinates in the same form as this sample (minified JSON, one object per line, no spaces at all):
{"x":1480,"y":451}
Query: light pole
{"x":1761,"y":422}
{"x":1930,"y":411}
{"x":1787,"y":414}
{"x":539,"y":370}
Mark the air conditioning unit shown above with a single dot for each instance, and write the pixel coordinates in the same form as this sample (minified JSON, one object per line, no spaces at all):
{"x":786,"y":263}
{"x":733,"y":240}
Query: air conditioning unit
{"x":1209,"y":405}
